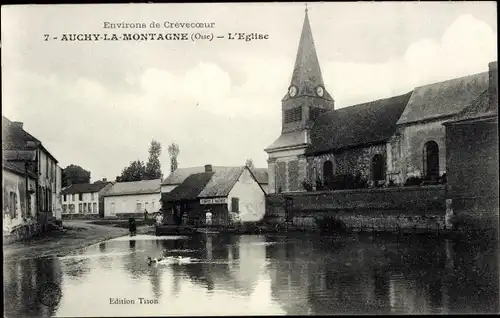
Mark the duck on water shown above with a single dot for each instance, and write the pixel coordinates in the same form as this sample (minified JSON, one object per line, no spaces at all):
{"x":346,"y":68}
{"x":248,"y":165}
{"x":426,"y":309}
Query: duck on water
{"x":169,"y":260}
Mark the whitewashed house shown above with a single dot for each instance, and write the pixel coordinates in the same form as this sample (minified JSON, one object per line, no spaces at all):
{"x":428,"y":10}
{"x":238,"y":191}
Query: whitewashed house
{"x":84,"y":200}
{"x":180,"y":174}
{"x":31,"y":182}
{"x":229,"y":194}
{"x":125,"y":199}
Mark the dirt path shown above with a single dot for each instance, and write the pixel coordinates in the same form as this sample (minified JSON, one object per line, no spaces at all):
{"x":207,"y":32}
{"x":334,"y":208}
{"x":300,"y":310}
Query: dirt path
{"x":75,"y":235}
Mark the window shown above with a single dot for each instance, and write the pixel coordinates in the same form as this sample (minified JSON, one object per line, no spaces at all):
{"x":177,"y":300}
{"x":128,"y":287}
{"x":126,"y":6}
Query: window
{"x":73,"y":197}
{"x":80,"y":208}
{"x":84,"y":210}
{"x":95,"y":207}
{"x":64,"y":208}
{"x":235,"y":202}
{"x":89,"y":209}
{"x":293,"y":115}
{"x":80,"y":196}
{"x":378,"y":168}
{"x":139,"y":207}
{"x":153,"y":205}
{"x":146,"y":205}
{"x":327,"y":172}
{"x":315,"y":112}
{"x":71,"y":208}
{"x":13,"y":205}
{"x":65,"y":198}
{"x":431,"y":160}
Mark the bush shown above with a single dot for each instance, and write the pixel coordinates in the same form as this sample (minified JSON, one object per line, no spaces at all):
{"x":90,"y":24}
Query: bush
{"x":347,"y":181}
{"x":329,"y":224}
{"x":307,"y":186}
{"x":413,"y":181}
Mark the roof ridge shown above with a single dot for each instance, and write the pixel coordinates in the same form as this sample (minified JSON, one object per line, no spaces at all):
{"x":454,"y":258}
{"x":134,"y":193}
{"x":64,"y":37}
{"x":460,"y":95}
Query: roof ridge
{"x":453,"y":79}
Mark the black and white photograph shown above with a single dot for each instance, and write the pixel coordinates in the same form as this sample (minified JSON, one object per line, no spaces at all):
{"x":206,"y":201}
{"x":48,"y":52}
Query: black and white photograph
{"x":250,"y":159}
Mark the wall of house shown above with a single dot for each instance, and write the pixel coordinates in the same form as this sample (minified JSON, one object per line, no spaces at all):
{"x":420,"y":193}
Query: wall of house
{"x":472,"y":176}
{"x":47,"y":169}
{"x":16,"y":184}
{"x":58,"y":200}
{"x":73,"y":205}
{"x":128,"y":204}
{"x":413,"y":139}
{"x":252,"y":204}
{"x":287,"y":170}
{"x":380,"y":209}
{"x":101,"y":199}
{"x":349,"y":161}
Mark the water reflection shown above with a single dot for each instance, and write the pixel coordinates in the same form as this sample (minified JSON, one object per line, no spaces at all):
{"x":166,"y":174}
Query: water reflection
{"x":259,"y":275}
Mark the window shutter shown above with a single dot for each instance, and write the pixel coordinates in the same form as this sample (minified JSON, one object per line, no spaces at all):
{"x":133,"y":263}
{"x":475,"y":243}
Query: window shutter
{"x":235,"y":202}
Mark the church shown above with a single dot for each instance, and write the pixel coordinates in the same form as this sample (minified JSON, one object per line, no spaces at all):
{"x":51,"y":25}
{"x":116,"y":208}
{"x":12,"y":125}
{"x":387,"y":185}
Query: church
{"x":386,"y":141}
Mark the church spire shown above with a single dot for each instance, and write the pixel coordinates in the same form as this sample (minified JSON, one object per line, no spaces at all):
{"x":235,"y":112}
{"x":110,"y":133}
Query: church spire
{"x":306,"y":77}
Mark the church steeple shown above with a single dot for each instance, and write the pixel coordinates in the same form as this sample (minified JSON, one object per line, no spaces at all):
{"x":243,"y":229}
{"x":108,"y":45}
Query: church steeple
{"x":307,"y":79}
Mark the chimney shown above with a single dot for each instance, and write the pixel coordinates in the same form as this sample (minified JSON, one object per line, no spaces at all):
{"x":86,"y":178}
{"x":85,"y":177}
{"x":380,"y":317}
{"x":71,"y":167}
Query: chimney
{"x":208,"y":168}
{"x":104,"y":179}
{"x":493,"y":84}
{"x":18,"y":124}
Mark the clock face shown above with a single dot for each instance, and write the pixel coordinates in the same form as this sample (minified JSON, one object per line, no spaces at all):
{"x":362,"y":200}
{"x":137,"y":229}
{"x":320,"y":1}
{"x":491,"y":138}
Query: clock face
{"x":292,"y":91}
{"x":319,"y":91}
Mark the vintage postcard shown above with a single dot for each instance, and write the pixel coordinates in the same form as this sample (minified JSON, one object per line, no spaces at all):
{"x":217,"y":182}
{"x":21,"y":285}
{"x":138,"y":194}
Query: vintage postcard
{"x":192,"y":159}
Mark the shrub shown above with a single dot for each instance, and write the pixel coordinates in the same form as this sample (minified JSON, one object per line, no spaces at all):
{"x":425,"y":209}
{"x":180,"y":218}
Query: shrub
{"x":329,"y":224}
{"x":413,"y":181}
{"x":307,"y":186}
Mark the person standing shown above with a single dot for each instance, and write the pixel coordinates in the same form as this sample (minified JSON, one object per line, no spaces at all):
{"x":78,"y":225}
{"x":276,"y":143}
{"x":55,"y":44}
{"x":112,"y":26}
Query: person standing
{"x":145,"y":214}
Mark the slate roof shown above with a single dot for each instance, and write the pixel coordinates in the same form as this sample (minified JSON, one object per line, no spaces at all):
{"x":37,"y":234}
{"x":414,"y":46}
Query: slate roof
{"x":357,"y":125}
{"x":180,"y":174}
{"x":134,"y":187}
{"x":293,"y":138}
{"x":261,"y":175}
{"x":479,"y":108}
{"x":221,"y":183}
{"x":18,"y":168}
{"x":84,"y":188}
{"x":445,"y":98}
{"x":190,"y":188}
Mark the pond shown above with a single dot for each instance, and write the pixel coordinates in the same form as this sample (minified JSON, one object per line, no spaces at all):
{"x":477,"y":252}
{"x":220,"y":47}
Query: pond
{"x":257,"y":275}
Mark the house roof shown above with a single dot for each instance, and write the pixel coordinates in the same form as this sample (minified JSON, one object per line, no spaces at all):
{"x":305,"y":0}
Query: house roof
{"x":134,"y":187}
{"x":222,"y":182}
{"x":356,"y":125}
{"x":289,"y":139}
{"x":190,"y":188}
{"x":84,"y":188}
{"x":16,"y":138}
{"x":445,"y":98}
{"x":261,"y":175}
{"x":479,"y":108}
{"x":18,"y":168}
{"x":180,"y":174}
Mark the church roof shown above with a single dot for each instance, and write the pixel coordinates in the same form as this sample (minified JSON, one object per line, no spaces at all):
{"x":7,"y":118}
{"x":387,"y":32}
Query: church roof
{"x":445,"y":98}
{"x":293,"y":138}
{"x":357,"y":125}
{"x":307,"y":72}
{"x":479,"y":108}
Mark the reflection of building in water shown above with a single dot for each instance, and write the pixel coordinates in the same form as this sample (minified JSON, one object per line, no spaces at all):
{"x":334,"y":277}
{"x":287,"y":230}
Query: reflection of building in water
{"x":32,"y":287}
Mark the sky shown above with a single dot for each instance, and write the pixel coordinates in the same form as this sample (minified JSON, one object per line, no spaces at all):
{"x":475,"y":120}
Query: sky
{"x":99,"y":104}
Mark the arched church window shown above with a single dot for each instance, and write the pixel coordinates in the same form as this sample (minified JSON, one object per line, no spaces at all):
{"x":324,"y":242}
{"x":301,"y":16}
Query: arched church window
{"x":378,"y":168}
{"x":431,"y":160}
{"x":327,"y":172}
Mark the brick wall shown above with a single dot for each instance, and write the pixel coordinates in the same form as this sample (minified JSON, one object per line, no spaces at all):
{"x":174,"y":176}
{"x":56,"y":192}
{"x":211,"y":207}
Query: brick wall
{"x":388,"y":208}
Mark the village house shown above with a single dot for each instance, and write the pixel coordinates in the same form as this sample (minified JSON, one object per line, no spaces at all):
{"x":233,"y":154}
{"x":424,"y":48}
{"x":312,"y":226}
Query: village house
{"x":180,"y":174}
{"x":388,"y":141}
{"x":31,"y":182}
{"x":84,"y":200}
{"x":229,"y":194}
{"x":128,"y":199}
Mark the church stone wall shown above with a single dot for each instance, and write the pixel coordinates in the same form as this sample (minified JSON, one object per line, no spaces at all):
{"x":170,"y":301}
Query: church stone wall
{"x":349,"y":161}
{"x":414,"y":138}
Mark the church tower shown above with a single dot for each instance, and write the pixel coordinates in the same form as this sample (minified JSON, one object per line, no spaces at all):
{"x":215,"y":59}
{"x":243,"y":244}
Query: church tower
{"x":304,"y":101}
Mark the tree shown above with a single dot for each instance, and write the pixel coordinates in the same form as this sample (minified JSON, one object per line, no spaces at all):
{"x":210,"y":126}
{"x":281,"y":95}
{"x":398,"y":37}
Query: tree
{"x":74,"y":174}
{"x":134,"y":172}
{"x":173,"y":151}
{"x":249,"y":164}
{"x":153,"y":167}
